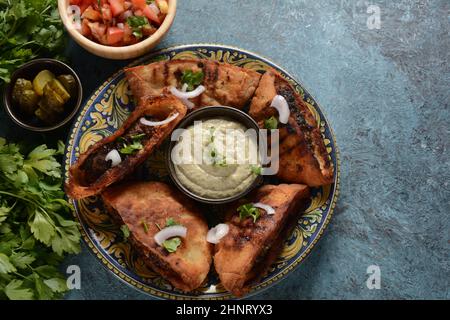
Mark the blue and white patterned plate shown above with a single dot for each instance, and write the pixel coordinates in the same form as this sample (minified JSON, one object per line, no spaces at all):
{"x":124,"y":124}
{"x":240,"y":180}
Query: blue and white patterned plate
{"x":104,"y":112}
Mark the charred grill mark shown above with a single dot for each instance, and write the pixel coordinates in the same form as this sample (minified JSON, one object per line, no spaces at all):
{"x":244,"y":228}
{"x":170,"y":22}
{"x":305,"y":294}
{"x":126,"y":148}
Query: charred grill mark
{"x":166,"y":73}
{"x":284,"y":90}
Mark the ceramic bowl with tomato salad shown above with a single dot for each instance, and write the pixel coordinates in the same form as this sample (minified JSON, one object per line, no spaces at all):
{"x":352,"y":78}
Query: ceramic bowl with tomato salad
{"x":117,"y":29}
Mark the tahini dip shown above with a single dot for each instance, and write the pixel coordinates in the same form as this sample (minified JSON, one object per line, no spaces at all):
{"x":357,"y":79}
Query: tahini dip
{"x":228,"y":163}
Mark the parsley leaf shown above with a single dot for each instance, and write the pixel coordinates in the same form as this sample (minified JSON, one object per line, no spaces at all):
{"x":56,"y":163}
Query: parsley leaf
{"x":36,"y":226}
{"x":171,"y":245}
{"x":256,"y":169}
{"x":248,"y":210}
{"x":136,"y":24}
{"x":134,"y":146}
{"x":271,"y":123}
{"x":29,"y":29}
{"x":171,"y":222}
{"x":192,"y":79}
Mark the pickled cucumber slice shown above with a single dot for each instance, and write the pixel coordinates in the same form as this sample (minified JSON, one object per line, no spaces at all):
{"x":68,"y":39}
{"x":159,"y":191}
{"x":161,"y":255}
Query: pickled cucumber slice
{"x":41,"y":80}
{"x":59,"y":89}
{"x":45,"y":116}
{"x":19,"y":87}
{"x":52,"y":101}
{"x":68,"y":81}
{"x":28,"y":101}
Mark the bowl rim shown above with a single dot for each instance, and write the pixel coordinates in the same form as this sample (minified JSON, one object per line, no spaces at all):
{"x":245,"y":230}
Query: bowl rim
{"x":198,"y":114}
{"x":163,"y":28}
{"x":9,"y":108}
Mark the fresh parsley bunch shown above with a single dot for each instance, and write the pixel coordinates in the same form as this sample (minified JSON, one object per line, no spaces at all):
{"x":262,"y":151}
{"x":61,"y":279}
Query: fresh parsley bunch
{"x":36,"y":228}
{"x":28,"y":29}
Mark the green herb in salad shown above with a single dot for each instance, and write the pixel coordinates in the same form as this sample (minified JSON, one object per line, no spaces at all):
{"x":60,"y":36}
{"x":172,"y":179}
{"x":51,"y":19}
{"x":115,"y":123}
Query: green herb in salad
{"x":192,"y":79}
{"x":28,"y":29}
{"x":248,"y":211}
{"x":136,"y":23}
{"x":36,"y":226}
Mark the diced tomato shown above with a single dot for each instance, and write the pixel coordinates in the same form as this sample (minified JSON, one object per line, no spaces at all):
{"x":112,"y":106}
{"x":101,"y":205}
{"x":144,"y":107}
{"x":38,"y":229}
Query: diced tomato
{"x":91,"y":14}
{"x":98,"y":31}
{"x":106,"y":13}
{"x":138,"y":13}
{"x":85,"y":30}
{"x":84,"y":4}
{"x":114,"y":35}
{"x":139,"y":4}
{"x":151,"y":15}
{"x":75,"y":2}
{"x":117,"y":7}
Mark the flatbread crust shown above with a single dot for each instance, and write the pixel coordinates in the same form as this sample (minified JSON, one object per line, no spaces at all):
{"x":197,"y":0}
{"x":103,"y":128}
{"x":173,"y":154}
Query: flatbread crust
{"x":225,"y":84}
{"x":155,"y":202}
{"x":303,"y":157}
{"x":83,"y":179}
{"x":244,"y":255}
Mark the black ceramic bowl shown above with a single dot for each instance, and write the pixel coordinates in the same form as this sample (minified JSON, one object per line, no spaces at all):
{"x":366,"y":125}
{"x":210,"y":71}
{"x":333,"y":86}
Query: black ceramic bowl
{"x":204,"y":114}
{"x":28,"y":71}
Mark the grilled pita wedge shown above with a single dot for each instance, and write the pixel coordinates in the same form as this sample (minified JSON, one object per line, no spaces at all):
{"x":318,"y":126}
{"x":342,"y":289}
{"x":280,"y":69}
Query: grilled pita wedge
{"x":225,"y":84}
{"x":91,"y":174}
{"x":303,"y":157}
{"x":153,"y":203}
{"x":246,"y":253}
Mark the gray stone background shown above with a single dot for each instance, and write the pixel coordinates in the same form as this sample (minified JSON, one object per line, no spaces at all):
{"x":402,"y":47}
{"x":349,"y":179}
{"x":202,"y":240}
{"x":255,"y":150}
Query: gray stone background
{"x":386,"y":94}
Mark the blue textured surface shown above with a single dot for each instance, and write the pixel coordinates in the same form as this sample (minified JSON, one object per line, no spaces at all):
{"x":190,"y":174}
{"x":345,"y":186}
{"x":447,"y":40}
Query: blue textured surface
{"x":386,"y":94}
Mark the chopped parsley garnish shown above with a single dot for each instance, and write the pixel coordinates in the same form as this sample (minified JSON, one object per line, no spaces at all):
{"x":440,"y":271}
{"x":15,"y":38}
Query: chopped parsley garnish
{"x":213,"y":153}
{"x":144,"y":224}
{"x":271,"y":123}
{"x":171,"y":245}
{"x":136,"y":24}
{"x":134,"y":146}
{"x":192,"y":79}
{"x":125,"y":231}
{"x":247,"y":211}
{"x":171,"y":222}
{"x":256,"y":170}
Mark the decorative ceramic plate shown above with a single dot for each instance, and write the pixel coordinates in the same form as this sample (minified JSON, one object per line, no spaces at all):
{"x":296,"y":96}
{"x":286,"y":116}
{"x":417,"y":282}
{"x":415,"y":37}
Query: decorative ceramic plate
{"x":104,"y":112}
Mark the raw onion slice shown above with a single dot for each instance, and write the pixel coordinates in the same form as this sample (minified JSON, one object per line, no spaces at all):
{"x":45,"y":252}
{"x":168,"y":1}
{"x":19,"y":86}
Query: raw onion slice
{"x":158,"y":123}
{"x":127,"y":14}
{"x":114,"y":156}
{"x":187,"y":95}
{"x":280,"y":103}
{"x":265,"y":207}
{"x":215,"y":234}
{"x":184,"y":87}
{"x":154,"y":8}
{"x":120,"y":26}
{"x":170,"y":232}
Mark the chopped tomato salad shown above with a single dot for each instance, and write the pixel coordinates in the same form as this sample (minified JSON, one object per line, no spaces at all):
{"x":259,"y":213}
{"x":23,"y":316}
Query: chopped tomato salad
{"x":120,"y":22}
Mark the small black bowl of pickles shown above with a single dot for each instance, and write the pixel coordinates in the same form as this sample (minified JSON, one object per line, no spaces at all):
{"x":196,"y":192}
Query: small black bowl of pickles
{"x":43,"y":95}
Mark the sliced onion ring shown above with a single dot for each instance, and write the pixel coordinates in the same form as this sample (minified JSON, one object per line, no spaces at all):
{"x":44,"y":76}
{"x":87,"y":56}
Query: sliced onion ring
{"x":114,"y":156}
{"x":280,"y":103}
{"x":187,"y":95}
{"x":184,"y":87}
{"x":265,"y":207}
{"x":158,"y":123}
{"x":217,"y":233}
{"x":170,"y":232}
